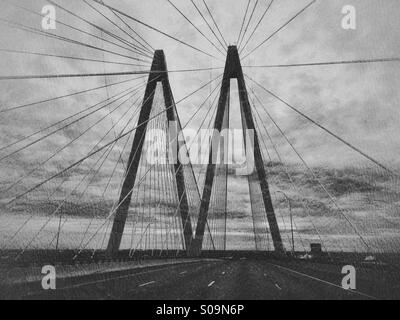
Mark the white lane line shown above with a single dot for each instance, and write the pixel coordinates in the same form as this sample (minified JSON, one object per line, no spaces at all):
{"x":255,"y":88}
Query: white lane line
{"x":211,"y":284}
{"x":324,"y":282}
{"x":223,"y":273}
{"x":278,"y":287}
{"x":173,"y":266}
{"x":184,"y":272}
{"x":146,"y":284}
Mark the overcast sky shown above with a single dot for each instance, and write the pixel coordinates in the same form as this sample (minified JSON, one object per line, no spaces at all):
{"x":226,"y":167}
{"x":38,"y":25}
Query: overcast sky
{"x":358,"y":102}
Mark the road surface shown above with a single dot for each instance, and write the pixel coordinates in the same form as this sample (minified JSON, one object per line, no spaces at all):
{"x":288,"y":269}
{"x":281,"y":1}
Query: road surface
{"x":226,"y":280}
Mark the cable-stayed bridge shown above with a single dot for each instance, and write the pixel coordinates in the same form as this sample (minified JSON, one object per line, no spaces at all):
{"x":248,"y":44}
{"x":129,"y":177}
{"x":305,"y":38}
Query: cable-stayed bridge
{"x":103,"y":182}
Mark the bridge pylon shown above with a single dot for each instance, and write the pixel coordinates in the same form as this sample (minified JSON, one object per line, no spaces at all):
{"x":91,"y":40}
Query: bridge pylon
{"x":233,"y":70}
{"x":158,"y":74}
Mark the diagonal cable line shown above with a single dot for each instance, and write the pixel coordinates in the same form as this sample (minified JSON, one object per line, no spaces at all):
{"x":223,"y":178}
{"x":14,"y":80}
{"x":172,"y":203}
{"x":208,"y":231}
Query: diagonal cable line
{"x":8,"y":109}
{"x":332,"y":198}
{"x":208,"y":24}
{"x":122,"y":40}
{"x":146,"y":47}
{"x":106,"y":82}
{"x":155,"y":29}
{"x":161,"y":222}
{"x":79,"y":75}
{"x":280,"y":29}
{"x":194,"y":70}
{"x":305,"y":206}
{"x":61,"y":223}
{"x":106,"y":154}
{"x":187,"y":19}
{"x":116,"y":165}
{"x":248,"y":23}
{"x":116,"y":205}
{"x":243,"y":22}
{"x":199,"y":109}
{"x":63,"y":182}
{"x":70,"y":57}
{"x":142,"y":179}
{"x":287,"y":173}
{"x":66,"y":179}
{"x":107,"y":145}
{"x":144,"y":176}
{"x":331,"y":133}
{"x":257,"y":26}
{"x":61,"y":38}
{"x":327,"y":63}
{"x":133,"y":50}
{"x":215,"y":23}
{"x":85,"y":75}
{"x":54,"y":213}
{"x":117,"y":26}
{"x":30,"y":218}
{"x":110,"y":101}
{"x":53,"y":125}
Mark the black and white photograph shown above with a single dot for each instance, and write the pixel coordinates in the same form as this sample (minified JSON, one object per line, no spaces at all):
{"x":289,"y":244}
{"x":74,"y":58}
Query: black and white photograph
{"x":199,"y":154}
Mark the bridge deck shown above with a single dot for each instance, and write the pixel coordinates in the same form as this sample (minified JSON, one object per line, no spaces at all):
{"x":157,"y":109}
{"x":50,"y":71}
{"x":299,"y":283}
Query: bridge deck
{"x":227,"y":279}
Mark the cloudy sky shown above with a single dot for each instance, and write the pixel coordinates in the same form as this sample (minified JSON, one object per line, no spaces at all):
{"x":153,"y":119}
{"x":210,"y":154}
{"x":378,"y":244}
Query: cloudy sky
{"x":358,"y":102}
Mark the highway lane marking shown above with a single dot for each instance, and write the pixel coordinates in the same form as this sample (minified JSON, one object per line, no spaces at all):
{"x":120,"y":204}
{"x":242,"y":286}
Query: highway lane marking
{"x":270,"y":279}
{"x":184,"y":272}
{"x":223,"y":273}
{"x":147,"y":284}
{"x":118,"y":278}
{"x":324,"y":282}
